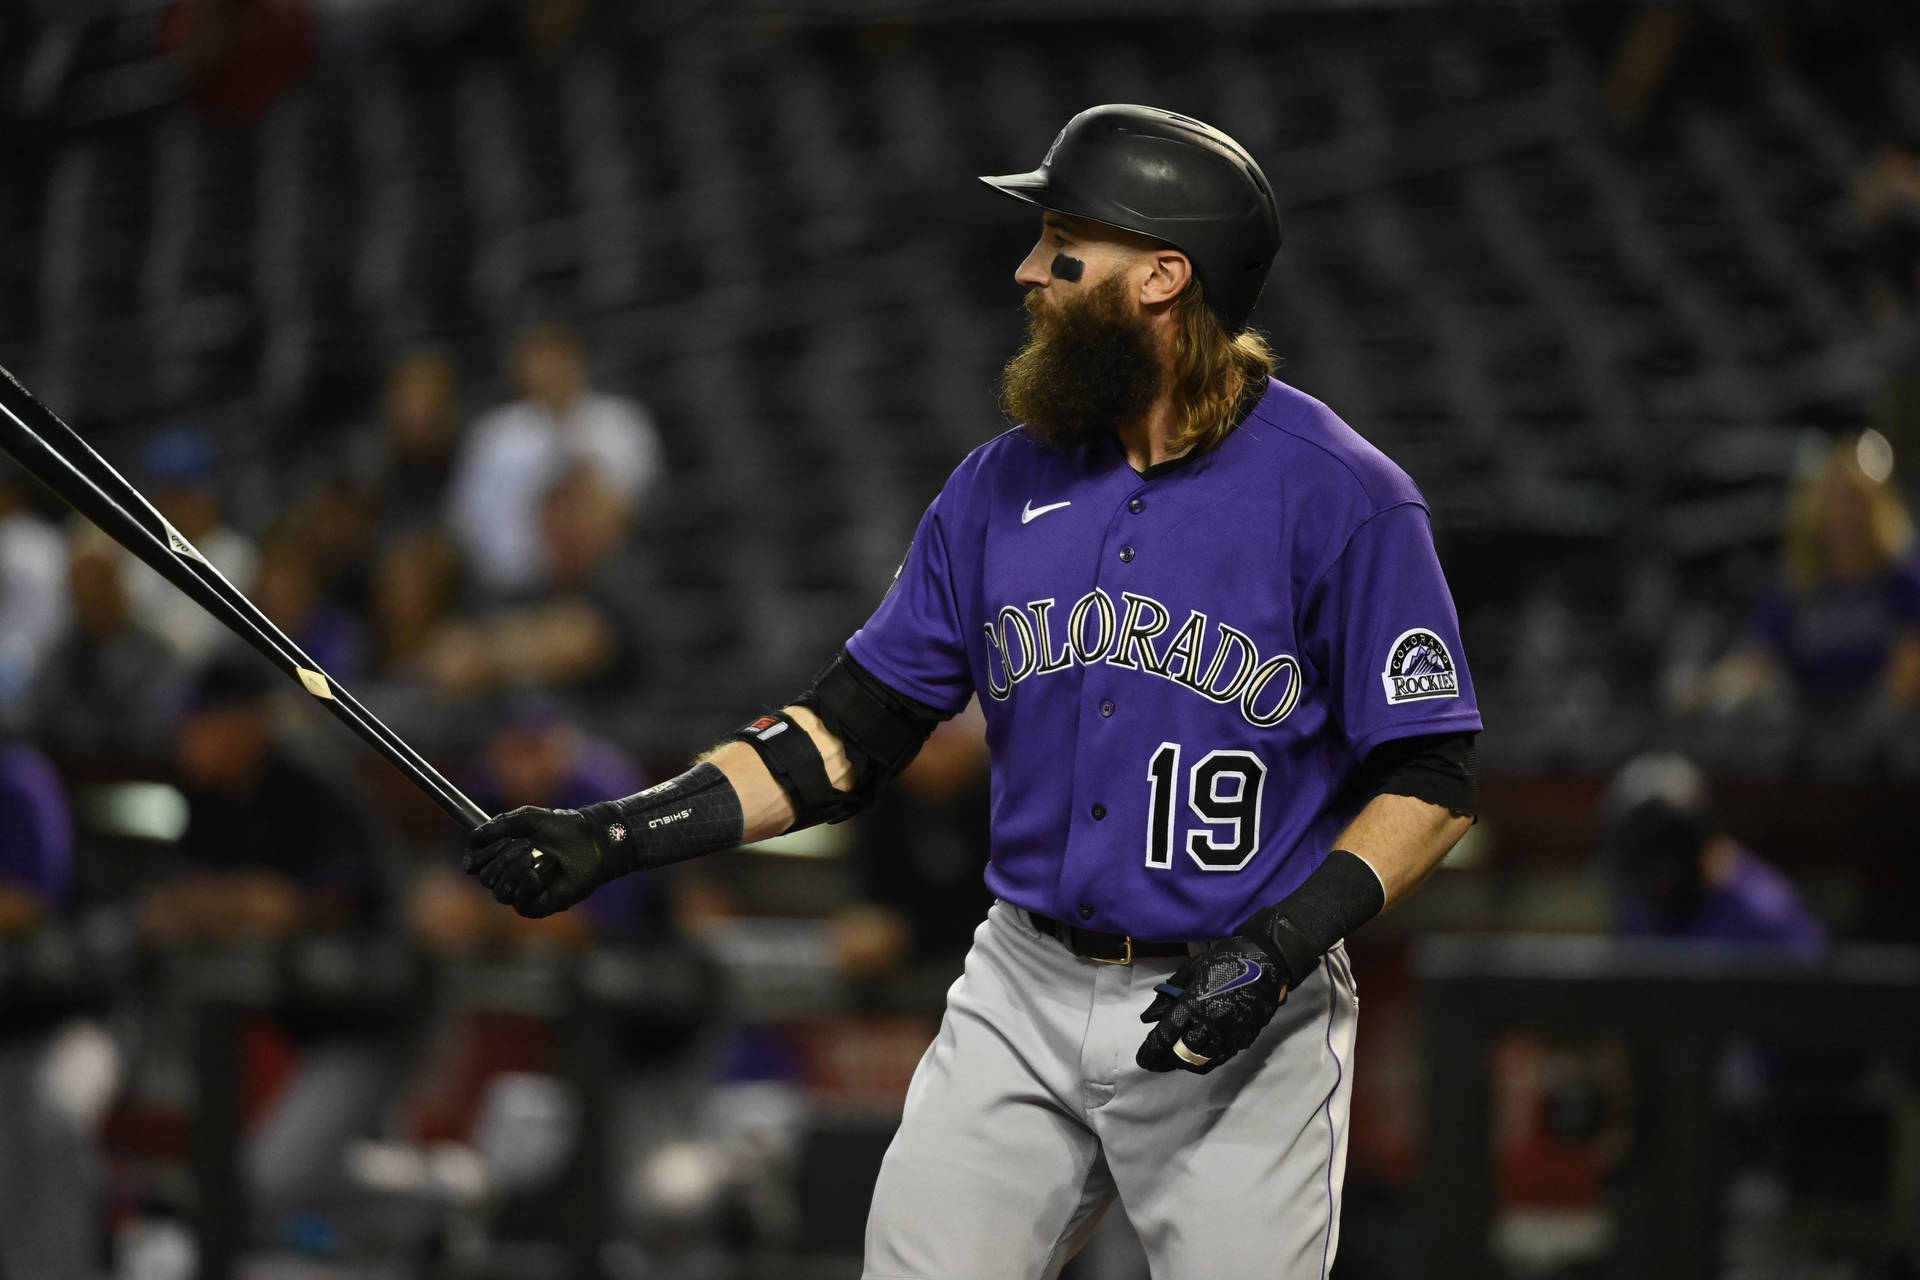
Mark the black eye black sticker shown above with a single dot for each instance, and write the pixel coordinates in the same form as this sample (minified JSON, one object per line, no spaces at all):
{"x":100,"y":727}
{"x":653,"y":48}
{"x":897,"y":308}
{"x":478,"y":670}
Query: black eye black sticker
{"x":1068,"y":269}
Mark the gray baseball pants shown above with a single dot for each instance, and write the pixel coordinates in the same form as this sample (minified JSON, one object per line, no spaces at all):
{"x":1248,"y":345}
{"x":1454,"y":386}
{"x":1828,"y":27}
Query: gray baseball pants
{"x":1027,"y":1117}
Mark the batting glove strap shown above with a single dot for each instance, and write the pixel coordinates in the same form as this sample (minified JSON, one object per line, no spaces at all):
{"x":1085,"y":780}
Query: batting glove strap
{"x":693,"y":814}
{"x":1342,"y":894}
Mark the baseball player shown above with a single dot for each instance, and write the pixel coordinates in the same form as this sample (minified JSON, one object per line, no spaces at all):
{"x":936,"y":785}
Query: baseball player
{"x":1230,"y":722}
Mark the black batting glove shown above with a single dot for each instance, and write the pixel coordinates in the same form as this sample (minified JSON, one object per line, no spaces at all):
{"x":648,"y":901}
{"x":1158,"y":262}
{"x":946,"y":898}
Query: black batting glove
{"x":539,"y":861}
{"x":1216,"y":1003}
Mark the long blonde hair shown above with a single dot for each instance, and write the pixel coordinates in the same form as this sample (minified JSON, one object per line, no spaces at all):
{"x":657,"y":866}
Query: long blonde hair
{"x":1810,"y":561}
{"x":1213,"y":372}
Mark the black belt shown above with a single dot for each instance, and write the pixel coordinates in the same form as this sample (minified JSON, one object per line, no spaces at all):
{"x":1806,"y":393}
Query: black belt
{"x":1107,"y":948}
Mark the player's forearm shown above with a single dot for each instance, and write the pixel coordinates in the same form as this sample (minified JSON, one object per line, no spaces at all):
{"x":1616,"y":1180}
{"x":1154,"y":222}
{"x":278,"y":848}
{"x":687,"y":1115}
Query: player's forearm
{"x":784,"y":770}
{"x":1384,"y":852}
{"x":764,"y":802}
{"x":1403,"y":840}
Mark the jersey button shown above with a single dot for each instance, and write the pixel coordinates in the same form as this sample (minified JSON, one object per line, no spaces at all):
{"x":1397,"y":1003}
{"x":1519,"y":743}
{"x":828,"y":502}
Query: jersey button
{"x":1106,"y":706}
{"x":1099,"y":811}
{"x":1126,"y":555}
{"x":1086,"y":911}
{"x":1137,"y":506}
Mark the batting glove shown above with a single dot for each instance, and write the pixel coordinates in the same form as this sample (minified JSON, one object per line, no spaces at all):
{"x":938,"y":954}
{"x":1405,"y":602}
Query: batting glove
{"x":1210,"y":1008}
{"x":539,"y":861}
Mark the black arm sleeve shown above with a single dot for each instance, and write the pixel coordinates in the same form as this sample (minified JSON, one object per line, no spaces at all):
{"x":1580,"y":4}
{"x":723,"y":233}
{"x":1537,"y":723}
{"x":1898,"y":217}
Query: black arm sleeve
{"x":1342,"y":894}
{"x":1438,"y":768}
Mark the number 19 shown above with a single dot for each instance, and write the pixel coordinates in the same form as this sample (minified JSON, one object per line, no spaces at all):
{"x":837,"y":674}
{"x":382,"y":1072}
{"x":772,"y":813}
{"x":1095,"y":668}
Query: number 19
{"x":1223,"y":790}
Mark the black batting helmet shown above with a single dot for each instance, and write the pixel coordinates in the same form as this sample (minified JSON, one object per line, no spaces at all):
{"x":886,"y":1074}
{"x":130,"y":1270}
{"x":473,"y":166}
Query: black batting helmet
{"x":1170,"y":177}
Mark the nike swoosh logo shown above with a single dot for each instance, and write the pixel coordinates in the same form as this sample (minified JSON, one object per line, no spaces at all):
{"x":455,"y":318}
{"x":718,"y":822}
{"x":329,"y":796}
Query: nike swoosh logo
{"x":1248,"y":973}
{"x":1028,"y":512}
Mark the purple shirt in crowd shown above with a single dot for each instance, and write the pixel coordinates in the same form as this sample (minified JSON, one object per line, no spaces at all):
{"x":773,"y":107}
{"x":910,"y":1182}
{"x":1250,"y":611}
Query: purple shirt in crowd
{"x":36,"y":830}
{"x":1181,"y":671}
{"x":1757,"y":905}
{"x":1837,"y":638}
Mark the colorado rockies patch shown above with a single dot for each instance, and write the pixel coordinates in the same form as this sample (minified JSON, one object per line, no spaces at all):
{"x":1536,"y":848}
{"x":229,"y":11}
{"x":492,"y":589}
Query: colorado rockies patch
{"x":1419,"y":666}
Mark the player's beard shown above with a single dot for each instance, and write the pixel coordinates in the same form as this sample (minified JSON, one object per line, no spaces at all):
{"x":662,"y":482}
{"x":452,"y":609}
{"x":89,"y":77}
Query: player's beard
{"x":1087,"y":369}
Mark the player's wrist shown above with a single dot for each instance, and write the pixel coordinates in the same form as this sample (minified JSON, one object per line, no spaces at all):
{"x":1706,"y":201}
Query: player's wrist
{"x":688,"y":816}
{"x":1342,"y":894}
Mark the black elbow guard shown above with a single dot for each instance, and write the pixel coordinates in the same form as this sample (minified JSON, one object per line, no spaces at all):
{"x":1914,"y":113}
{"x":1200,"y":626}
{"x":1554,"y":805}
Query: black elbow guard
{"x":796,"y":764}
{"x":881,"y":729}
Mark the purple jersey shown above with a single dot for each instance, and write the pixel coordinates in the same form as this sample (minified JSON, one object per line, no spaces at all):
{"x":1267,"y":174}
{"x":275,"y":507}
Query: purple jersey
{"x":1179,"y":673}
{"x":1836,"y":638}
{"x":1756,"y":904}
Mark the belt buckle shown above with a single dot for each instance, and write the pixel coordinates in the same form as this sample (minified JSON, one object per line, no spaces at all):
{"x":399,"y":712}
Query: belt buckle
{"x":1126,"y":958}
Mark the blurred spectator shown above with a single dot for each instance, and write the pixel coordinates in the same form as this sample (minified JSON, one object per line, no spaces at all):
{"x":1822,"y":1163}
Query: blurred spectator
{"x":336,"y":522}
{"x":36,"y":838}
{"x":182,"y":469}
{"x":107,"y":691}
{"x":487,"y":1078}
{"x":516,"y":452}
{"x":402,"y":467}
{"x":414,"y":584}
{"x":33,"y":589}
{"x":586,"y":632}
{"x":57,"y":1080}
{"x":385,"y":487}
{"x":237,"y":56}
{"x":289,"y":592}
{"x":1844,"y":626}
{"x":696,"y":1131}
{"x":275,"y":844}
{"x":689,"y":1153}
{"x":1679,"y":875}
{"x":919,"y":855}
{"x":1888,"y":197}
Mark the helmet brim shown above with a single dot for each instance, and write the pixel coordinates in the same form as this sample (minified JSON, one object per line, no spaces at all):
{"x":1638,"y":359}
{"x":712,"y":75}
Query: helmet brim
{"x":1037,"y":189}
{"x":1029,"y":188}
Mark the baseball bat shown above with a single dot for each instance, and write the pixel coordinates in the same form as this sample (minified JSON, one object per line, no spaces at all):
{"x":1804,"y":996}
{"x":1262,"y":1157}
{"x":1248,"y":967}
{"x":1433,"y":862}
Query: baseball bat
{"x":35,"y":437}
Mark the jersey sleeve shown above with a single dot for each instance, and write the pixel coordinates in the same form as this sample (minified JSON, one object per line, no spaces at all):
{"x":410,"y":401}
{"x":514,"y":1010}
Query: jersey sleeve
{"x":1380,"y":626}
{"x":912,"y":643}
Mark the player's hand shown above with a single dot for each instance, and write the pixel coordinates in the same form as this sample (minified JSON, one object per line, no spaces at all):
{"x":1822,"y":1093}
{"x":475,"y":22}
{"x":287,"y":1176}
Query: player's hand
{"x":1213,"y":1006}
{"x":538,"y":861}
